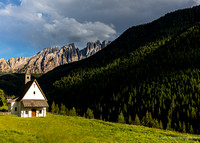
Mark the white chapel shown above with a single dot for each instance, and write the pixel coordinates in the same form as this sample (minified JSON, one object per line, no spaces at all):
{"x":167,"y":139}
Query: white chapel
{"x":31,"y":101}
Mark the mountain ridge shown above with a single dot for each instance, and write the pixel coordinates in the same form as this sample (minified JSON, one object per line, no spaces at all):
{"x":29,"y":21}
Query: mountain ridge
{"x":49,"y":58}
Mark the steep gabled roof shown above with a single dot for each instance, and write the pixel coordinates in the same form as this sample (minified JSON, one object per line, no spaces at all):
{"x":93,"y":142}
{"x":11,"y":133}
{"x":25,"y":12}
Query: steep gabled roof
{"x":26,"y":87}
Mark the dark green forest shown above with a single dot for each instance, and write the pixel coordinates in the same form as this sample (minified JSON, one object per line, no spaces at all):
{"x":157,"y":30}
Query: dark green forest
{"x":150,"y":75}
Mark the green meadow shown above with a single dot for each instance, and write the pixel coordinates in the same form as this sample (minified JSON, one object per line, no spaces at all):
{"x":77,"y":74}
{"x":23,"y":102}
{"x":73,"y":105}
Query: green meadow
{"x":57,"y":128}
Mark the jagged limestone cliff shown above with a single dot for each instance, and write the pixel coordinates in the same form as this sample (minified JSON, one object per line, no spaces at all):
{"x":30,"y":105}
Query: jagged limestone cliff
{"x":50,"y":58}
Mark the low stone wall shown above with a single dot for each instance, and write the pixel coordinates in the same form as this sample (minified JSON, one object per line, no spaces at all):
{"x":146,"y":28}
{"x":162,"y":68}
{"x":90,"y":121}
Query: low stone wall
{"x":5,"y":113}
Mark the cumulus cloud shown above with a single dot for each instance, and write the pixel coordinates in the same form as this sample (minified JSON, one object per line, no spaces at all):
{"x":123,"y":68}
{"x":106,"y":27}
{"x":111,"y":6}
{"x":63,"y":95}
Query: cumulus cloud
{"x":39,"y":24}
{"x":44,"y":23}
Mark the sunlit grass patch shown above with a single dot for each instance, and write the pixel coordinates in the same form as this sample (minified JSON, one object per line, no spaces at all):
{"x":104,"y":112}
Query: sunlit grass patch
{"x":56,"y":128}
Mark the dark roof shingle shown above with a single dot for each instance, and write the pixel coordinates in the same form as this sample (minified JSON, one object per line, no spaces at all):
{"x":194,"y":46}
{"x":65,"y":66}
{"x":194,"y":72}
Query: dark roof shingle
{"x":35,"y":103}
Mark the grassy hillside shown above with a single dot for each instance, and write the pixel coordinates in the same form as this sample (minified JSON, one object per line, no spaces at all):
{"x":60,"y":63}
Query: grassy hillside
{"x":150,"y":71}
{"x":56,"y":128}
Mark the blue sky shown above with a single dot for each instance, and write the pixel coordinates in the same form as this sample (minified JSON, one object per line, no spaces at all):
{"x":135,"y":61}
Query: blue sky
{"x":28,"y":26}
{"x":14,"y":2}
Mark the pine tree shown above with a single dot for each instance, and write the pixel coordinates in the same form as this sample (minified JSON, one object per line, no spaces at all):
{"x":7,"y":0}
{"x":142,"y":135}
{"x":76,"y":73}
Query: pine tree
{"x":121,"y":118}
{"x":101,"y":118}
{"x":53,"y":107}
{"x":72,"y":112}
{"x":191,"y":129}
{"x":180,"y":126}
{"x":161,"y":125}
{"x":169,"y":124}
{"x":67,"y":111}
{"x":184,"y":127}
{"x":137,"y":120}
{"x":89,"y":114}
{"x":57,"y":109}
{"x":151,"y":122}
{"x":62,"y":109}
{"x":130,"y":120}
{"x":145,"y":120}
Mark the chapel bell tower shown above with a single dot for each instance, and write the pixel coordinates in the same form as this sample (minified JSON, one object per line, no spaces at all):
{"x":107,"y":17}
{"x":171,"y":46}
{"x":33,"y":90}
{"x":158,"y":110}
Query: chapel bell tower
{"x":27,"y":76}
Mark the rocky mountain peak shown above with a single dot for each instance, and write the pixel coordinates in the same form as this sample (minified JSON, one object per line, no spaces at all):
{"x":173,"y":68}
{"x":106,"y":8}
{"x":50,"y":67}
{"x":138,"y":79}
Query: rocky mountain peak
{"x":49,"y":58}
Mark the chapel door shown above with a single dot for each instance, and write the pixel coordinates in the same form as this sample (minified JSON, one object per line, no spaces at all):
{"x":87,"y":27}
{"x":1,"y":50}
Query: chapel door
{"x":33,"y":113}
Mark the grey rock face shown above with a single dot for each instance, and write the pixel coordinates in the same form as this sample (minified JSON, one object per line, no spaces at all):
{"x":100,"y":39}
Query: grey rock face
{"x":49,"y":58}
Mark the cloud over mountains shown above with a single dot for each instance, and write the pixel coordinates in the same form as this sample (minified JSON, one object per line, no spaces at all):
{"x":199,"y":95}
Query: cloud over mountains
{"x":44,"y":23}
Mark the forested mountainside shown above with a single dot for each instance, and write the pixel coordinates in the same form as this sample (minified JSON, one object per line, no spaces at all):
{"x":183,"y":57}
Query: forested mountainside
{"x":150,"y":74}
{"x":49,"y":58}
{"x":151,"y":71}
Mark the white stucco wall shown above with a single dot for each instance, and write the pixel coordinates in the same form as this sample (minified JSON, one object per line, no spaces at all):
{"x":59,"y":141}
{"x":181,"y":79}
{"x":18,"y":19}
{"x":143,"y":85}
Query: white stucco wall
{"x":42,"y":114}
{"x":23,"y":112}
{"x":30,"y":94}
{"x":38,"y":114}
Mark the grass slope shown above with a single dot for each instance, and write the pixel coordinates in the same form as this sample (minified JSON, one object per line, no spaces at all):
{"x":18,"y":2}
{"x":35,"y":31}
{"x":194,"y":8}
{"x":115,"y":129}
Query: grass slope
{"x":56,"y":128}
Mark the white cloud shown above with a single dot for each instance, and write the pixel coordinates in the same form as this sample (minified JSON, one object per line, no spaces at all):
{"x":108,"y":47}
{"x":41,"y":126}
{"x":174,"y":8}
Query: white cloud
{"x":43,"y":23}
{"x":197,"y":2}
{"x":39,"y":23}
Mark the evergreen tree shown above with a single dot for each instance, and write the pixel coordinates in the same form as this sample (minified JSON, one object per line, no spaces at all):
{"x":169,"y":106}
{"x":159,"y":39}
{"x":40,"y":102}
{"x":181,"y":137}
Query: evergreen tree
{"x":155,"y":123}
{"x":72,"y":112}
{"x":145,"y":120}
{"x":101,"y":117}
{"x":161,"y":125}
{"x":137,"y":120}
{"x":130,"y":120}
{"x":89,"y":114}
{"x":184,"y":127}
{"x":57,"y":109}
{"x":152,"y":122}
{"x":67,"y":111}
{"x":121,"y":118}
{"x":62,"y":109}
{"x":180,"y":126}
{"x":53,"y":107}
{"x":191,"y":129}
{"x":169,"y":124}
